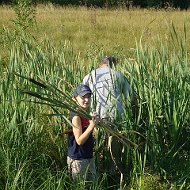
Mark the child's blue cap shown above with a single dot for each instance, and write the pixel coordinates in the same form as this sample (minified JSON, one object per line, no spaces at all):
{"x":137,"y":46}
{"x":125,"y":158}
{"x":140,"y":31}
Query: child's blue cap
{"x":82,"y":90}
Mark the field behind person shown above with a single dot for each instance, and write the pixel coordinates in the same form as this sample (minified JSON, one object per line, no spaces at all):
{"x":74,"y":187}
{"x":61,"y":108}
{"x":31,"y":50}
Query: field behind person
{"x":58,"y":46}
{"x":114,"y":31}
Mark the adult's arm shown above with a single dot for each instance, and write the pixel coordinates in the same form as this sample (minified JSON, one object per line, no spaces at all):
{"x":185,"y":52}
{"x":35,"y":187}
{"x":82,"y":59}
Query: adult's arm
{"x":130,"y":92}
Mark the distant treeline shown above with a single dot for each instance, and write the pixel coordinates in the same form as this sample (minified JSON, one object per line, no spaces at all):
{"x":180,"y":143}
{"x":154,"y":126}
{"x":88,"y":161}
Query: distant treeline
{"x":182,"y":4}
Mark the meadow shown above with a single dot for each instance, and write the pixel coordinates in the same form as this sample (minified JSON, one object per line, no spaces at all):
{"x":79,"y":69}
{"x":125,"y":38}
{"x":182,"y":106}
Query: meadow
{"x":114,"y":31}
{"x":58,"y":46}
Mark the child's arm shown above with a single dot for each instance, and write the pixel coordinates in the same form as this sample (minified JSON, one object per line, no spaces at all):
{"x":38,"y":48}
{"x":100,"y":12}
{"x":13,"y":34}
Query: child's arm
{"x":80,"y":137}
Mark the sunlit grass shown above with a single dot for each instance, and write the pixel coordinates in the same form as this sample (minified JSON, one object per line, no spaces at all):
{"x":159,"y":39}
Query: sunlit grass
{"x":113,"y":30}
{"x":32,"y":153}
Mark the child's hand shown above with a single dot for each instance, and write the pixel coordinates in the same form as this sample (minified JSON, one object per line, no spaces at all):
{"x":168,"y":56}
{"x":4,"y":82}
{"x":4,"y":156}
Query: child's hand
{"x":94,"y":119}
{"x":95,"y":116}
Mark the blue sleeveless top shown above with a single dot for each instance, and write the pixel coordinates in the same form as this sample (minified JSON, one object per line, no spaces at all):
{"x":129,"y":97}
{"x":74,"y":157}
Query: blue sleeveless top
{"x":79,"y":152}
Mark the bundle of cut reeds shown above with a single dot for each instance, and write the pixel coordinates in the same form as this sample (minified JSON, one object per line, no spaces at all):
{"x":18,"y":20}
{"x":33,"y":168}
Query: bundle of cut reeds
{"x":49,"y":94}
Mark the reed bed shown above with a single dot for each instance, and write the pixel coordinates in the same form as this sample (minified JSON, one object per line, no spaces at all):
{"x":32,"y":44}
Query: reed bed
{"x":32,"y":152}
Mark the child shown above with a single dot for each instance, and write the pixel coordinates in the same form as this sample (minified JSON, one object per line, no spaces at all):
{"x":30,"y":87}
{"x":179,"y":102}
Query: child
{"x":80,"y":160}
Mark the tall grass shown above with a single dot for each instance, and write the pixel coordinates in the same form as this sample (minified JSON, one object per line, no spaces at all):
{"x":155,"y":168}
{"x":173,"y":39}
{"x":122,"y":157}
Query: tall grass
{"x":161,"y":78}
{"x":33,"y":155}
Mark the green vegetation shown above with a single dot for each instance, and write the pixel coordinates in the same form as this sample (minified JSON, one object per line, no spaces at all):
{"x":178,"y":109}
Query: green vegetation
{"x":154,"y":58}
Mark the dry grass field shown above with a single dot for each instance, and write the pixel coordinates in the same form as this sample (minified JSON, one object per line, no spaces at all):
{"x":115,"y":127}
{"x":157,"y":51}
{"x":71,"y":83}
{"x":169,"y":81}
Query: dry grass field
{"x":111,"y":30}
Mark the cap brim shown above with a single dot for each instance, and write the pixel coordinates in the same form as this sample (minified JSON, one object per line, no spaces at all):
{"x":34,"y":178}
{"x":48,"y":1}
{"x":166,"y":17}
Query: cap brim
{"x":84,"y":93}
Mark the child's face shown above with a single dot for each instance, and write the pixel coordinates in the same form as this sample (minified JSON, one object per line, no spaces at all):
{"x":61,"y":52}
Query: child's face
{"x":84,"y":101}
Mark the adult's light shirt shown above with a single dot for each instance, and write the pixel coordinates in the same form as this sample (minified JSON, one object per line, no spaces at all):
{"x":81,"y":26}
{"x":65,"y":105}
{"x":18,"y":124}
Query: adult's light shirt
{"x":109,"y":88}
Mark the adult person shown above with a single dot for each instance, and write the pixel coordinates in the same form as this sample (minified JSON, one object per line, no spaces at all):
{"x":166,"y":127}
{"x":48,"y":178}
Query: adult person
{"x":80,"y":160}
{"x":110,"y":90}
